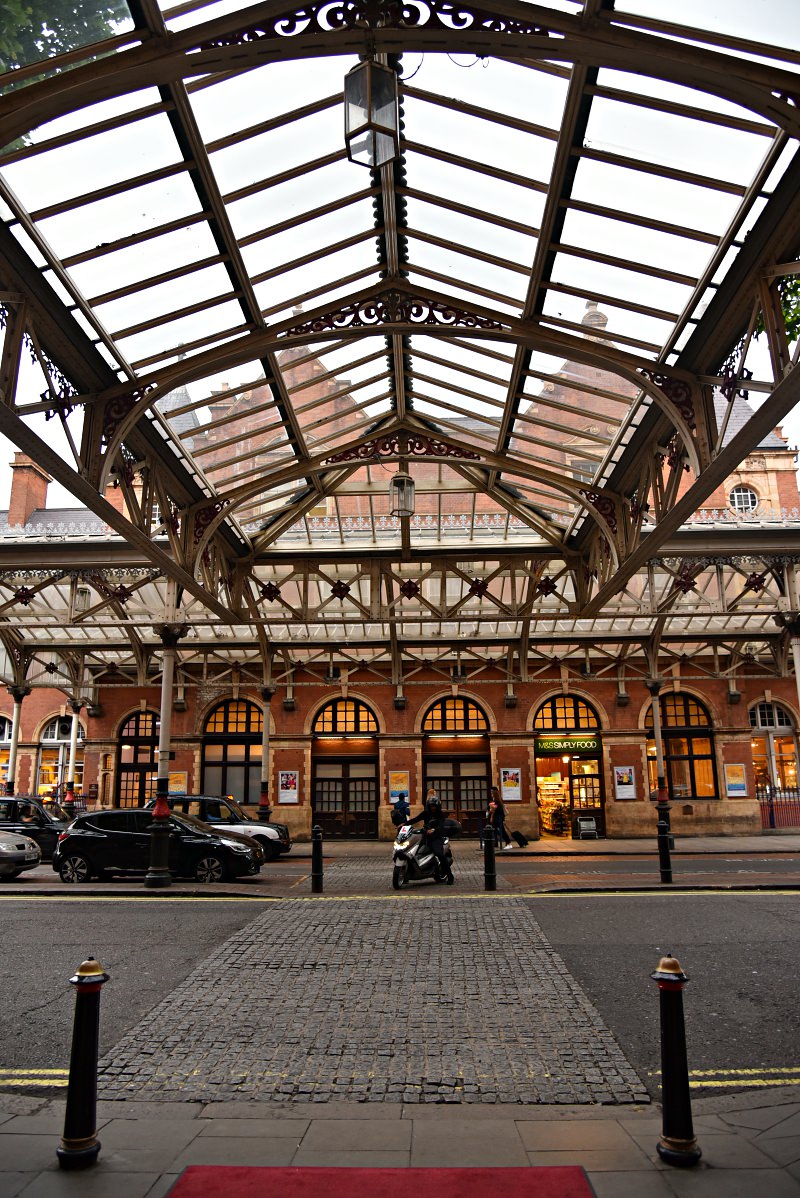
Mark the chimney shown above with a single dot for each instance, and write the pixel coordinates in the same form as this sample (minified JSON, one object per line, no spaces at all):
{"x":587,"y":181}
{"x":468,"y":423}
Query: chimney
{"x":28,"y":489}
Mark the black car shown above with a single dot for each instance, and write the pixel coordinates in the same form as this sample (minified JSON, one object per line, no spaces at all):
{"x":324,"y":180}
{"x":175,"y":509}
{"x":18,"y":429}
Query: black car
{"x":28,"y":815}
{"x":117,"y":841}
{"x":224,"y":813}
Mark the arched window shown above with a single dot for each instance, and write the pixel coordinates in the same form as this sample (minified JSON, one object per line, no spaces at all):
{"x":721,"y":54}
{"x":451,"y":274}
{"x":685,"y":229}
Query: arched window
{"x":232,"y":750}
{"x":136,"y":760}
{"x":688,"y":742}
{"x":54,"y":757}
{"x":565,"y":713}
{"x":743,"y":500}
{"x":455,"y":715}
{"x":343,"y":717}
{"x":775,"y":755}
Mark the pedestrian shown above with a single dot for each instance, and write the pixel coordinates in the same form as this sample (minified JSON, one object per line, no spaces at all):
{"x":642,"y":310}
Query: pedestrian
{"x":498,"y":820}
{"x":401,"y":811}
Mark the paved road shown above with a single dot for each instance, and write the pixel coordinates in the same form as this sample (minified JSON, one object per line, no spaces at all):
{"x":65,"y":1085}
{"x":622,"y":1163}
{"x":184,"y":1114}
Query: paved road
{"x":519,"y":999}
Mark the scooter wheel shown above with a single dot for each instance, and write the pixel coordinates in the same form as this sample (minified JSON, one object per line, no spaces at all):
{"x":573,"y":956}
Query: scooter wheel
{"x":399,"y":875}
{"x":450,"y":879}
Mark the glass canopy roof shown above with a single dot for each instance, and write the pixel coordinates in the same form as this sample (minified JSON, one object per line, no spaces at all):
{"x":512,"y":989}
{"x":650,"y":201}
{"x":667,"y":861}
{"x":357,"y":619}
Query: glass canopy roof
{"x":490,"y":313}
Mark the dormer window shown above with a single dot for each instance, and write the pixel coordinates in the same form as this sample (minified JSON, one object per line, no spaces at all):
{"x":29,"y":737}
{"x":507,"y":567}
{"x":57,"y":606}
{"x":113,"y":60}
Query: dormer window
{"x":743,"y":500}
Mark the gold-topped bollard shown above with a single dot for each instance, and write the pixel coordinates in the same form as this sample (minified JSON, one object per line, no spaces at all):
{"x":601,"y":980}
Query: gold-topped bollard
{"x":677,"y":1145}
{"x":79,"y":1145}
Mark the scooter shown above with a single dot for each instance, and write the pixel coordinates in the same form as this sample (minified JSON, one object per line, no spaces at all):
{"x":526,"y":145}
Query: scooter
{"x":414,"y":862}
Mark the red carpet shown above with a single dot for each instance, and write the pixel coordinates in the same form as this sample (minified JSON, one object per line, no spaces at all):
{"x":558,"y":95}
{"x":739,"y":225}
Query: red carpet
{"x":222,"y":1181}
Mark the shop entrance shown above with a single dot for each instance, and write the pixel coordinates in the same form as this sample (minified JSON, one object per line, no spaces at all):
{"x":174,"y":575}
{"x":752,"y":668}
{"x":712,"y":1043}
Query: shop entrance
{"x":346,"y":798}
{"x":344,"y":785}
{"x":463,"y":787}
{"x":569,"y":766}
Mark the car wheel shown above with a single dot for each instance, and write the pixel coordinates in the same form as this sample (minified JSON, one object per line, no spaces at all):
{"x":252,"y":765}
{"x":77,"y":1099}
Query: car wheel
{"x":210,"y":869}
{"x":399,"y":875}
{"x":269,"y":847}
{"x":75,"y":869}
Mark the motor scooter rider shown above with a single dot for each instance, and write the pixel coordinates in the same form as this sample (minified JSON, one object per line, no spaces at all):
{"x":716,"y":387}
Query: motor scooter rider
{"x":433,"y":818}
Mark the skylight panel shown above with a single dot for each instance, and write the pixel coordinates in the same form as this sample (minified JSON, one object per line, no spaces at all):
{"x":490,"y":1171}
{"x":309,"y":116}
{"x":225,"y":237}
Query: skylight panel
{"x":288,"y":147}
{"x":110,"y":218}
{"x":324,"y":276}
{"x":469,"y":181}
{"x":769,"y":21}
{"x":172,"y":336}
{"x":467,"y":230}
{"x":135,"y":264}
{"x":488,"y":141}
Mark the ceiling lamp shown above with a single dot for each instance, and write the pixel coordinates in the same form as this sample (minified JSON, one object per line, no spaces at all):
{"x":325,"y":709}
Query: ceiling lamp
{"x":371,"y":114}
{"x":401,"y":493}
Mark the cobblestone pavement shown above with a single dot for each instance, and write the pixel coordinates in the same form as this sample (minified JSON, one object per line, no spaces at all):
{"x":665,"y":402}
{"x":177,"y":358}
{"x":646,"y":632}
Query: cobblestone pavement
{"x":317,"y":1000}
{"x":368,"y":874}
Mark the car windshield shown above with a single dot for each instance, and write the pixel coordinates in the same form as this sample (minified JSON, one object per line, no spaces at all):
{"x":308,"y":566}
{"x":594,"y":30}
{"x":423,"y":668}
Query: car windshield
{"x":237,"y":811}
{"x":190,"y":821}
{"x":56,"y":812}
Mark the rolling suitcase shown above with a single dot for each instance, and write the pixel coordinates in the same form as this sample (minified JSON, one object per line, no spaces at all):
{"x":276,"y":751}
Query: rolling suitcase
{"x":520,"y":839}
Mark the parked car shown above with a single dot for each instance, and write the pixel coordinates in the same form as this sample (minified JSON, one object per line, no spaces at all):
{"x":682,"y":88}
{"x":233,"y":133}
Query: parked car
{"x":223,"y":811}
{"x":17,"y":853}
{"x":117,"y":841}
{"x":28,"y":815}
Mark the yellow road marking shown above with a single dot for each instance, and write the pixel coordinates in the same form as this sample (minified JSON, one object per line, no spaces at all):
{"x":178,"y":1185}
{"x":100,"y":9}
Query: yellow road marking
{"x":35,"y":1072}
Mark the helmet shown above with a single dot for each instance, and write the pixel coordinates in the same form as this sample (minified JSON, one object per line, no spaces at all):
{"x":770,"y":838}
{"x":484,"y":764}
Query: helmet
{"x":434,"y":801}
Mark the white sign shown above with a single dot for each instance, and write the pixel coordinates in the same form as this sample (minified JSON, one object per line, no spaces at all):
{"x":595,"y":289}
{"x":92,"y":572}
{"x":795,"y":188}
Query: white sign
{"x":287,"y":786}
{"x":511,"y":785}
{"x":624,"y":782}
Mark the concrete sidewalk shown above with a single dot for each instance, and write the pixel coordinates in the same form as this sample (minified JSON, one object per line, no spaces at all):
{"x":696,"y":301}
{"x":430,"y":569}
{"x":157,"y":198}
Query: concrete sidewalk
{"x":750,"y":1143}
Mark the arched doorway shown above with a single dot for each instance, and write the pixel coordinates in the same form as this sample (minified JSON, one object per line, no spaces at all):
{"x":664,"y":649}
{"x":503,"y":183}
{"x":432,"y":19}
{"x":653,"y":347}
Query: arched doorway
{"x":344,"y":765}
{"x":231,"y":756}
{"x":688,"y":738}
{"x":137,"y":760}
{"x":456,"y":759}
{"x":51,"y":773}
{"x":775,"y":756}
{"x":568,"y":750}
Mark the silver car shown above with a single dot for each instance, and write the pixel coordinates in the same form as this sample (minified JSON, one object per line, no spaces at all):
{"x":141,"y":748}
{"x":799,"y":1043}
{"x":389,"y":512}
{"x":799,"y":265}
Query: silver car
{"x":17,"y":853}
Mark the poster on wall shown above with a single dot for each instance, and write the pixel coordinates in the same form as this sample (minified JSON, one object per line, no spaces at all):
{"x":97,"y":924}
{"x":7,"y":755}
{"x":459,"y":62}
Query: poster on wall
{"x":624,"y":783}
{"x":178,"y":782}
{"x":287,"y":786}
{"x":399,"y":785}
{"x":735,"y":782}
{"x":511,"y":785}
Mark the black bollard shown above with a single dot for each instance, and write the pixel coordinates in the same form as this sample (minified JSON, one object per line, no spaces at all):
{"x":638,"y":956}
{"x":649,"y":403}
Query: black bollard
{"x":664,"y":860}
{"x":677,"y":1145}
{"x":79,"y":1145}
{"x":489,"y":870}
{"x":316,"y":860}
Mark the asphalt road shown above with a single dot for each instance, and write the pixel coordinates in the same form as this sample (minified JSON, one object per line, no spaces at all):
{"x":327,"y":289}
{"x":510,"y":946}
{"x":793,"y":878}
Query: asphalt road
{"x":740,"y":952}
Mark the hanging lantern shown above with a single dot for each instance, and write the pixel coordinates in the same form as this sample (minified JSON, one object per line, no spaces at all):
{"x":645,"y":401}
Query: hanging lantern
{"x":371,"y":114}
{"x":401,"y":493}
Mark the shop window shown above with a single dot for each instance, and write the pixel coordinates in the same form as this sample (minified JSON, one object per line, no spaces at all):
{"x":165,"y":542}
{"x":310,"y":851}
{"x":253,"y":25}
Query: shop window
{"x":565,"y":713}
{"x":5,"y":749}
{"x":775,"y":751}
{"x":136,"y":760}
{"x":51,"y":776}
{"x":455,"y":715}
{"x":688,"y":742}
{"x":343,"y":717}
{"x":743,"y":500}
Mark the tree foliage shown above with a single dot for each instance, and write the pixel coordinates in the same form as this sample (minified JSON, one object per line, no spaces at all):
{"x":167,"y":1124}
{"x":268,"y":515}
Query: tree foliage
{"x":31,"y":30}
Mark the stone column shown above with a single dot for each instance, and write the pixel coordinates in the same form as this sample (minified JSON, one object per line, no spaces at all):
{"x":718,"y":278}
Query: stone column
{"x":264,"y":809}
{"x":158,"y":875}
{"x":69,"y":797}
{"x":17,"y":693}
